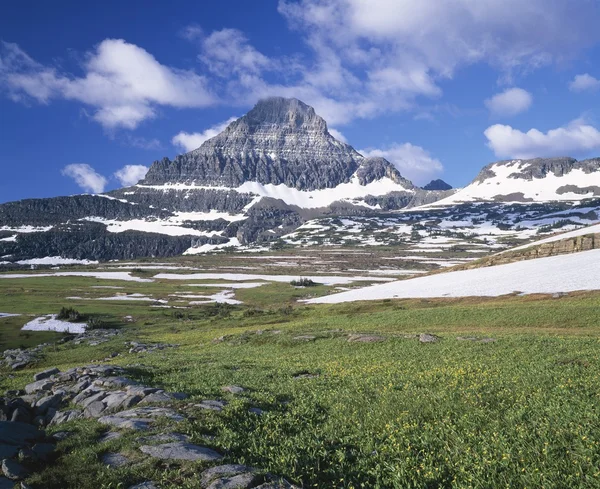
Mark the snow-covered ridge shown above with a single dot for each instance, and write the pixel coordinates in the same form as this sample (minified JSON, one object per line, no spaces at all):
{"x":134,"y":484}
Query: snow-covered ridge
{"x":504,"y":183}
{"x":306,"y":199}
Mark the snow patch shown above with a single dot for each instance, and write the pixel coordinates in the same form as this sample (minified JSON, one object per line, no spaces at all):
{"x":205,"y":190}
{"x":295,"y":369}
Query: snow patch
{"x":564,"y":273}
{"x":50,"y":323}
{"x":56,"y":260}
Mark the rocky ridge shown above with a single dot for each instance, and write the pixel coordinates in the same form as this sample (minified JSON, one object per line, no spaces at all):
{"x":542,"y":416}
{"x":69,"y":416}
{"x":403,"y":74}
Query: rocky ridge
{"x":104,"y":393}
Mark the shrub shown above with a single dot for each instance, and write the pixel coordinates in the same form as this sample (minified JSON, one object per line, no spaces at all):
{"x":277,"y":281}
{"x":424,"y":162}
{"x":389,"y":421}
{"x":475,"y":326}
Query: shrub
{"x":303,"y":282}
{"x":69,"y":314}
{"x":95,"y":322}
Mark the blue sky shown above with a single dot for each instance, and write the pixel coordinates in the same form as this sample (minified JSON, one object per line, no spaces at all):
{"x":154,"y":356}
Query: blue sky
{"x":91,"y":93}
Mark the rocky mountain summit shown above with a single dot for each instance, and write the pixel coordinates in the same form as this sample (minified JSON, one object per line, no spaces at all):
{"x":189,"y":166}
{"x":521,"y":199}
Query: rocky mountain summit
{"x":256,"y":182}
{"x":280,"y":141}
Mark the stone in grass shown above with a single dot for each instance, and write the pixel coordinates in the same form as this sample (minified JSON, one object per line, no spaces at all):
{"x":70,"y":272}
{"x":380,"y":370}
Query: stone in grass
{"x":241,"y":481}
{"x":17,"y":433}
{"x":40,"y":385}
{"x":278,"y":484}
{"x":220,"y":471}
{"x":180,"y":451}
{"x":114,"y":460}
{"x":304,"y":337}
{"x":233,"y":389}
{"x":428,"y":338}
{"x":255,"y":410}
{"x":43,"y":451}
{"x":136,"y":424}
{"x":46,"y":373}
{"x":157,"y":398}
{"x":144,"y":485}
{"x":109,"y":436}
{"x":62,"y":435}
{"x":365,"y":338}
{"x":13,"y":470}
{"x":212,"y":405}
{"x":164,"y":437}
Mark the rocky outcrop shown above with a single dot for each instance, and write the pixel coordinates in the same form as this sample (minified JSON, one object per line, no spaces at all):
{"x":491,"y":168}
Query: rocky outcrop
{"x":280,"y":141}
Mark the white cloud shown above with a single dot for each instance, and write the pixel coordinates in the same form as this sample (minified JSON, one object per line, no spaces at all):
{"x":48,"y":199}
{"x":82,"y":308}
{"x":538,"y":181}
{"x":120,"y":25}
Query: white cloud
{"x":576,"y":137}
{"x":86,"y":177}
{"x":227,"y":51}
{"x":413,"y":162}
{"x":511,"y":102}
{"x":337,"y":135}
{"x":123,"y":82}
{"x":191,"y":141}
{"x":131,"y":174}
{"x":585,"y":82}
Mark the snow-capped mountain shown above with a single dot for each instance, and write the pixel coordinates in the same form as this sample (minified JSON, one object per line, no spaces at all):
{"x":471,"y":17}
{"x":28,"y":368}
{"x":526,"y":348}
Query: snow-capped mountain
{"x":265,"y":177}
{"x":535,"y":180}
{"x":259,"y":179}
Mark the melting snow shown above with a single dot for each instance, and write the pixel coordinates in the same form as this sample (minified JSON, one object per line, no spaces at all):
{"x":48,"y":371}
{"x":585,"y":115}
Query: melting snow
{"x":564,"y":273}
{"x":56,"y":260}
{"x":50,"y":323}
{"x":126,"y":276}
{"x":7,"y":315}
{"x":322,"y":279}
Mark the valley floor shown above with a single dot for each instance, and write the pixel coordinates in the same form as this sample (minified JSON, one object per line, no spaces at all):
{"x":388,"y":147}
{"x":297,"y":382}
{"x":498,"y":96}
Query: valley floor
{"x":350,"y":395}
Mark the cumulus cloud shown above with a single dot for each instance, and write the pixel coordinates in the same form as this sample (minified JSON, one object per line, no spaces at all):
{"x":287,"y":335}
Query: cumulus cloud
{"x":189,"y":141}
{"x":131,"y":174}
{"x":583,"y":83}
{"x":511,"y":102}
{"x":413,"y":162}
{"x":576,"y":137}
{"x":122,"y":82}
{"x":337,"y":135}
{"x":86,"y":177}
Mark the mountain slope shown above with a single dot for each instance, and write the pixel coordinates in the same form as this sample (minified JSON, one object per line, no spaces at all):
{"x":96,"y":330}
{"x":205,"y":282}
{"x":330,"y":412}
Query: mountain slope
{"x":534,"y":180}
{"x":259,"y":179}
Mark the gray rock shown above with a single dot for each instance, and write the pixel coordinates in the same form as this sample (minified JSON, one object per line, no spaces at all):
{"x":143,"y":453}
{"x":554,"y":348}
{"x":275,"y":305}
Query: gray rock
{"x":212,"y":405}
{"x":62,"y":435}
{"x":115,"y":400}
{"x":428,"y":338}
{"x":304,"y":337}
{"x":180,"y":451}
{"x":6,"y":483}
{"x":277,"y":484}
{"x":21,"y":414}
{"x":8,"y":451}
{"x":94,"y":409}
{"x":365,"y":338}
{"x":47,"y":402}
{"x":137,"y":424}
{"x":255,"y":410}
{"x":40,"y":385}
{"x":157,"y":398}
{"x":13,"y":470}
{"x":114,"y":459}
{"x":164,"y":437}
{"x":65,"y":416}
{"x":233,"y":389}
{"x":43,"y":451}
{"x":241,"y":481}
{"x":45,"y":374}
{"x":109,"y":436}
{"x":139,"y":390}
{"x":16,"y":433}
{"x":219,"y":471}
{"x":97,"y":397}
{"x":144,"y":485}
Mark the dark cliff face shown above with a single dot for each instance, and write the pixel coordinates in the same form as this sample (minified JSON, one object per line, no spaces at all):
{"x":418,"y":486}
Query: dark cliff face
{"x":280,"y":141}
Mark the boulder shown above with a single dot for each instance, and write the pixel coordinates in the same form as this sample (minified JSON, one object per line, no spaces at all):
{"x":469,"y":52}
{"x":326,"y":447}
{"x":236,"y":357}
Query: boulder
{"x":220,"y":471}
{"x":180,"y":451}
{"x":46,"y":373}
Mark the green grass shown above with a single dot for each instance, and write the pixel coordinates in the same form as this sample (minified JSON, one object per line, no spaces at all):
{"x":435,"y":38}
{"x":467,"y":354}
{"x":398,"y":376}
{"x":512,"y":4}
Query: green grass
{"x":521,"y":412}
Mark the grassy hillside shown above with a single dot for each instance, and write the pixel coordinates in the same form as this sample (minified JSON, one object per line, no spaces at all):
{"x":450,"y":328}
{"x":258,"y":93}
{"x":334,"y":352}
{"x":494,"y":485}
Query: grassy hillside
{"x":521,"y":411}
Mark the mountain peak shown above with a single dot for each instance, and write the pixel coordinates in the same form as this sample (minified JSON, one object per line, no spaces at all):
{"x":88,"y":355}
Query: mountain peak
{"x":283,"y":111}
{"x":437,"y":184}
